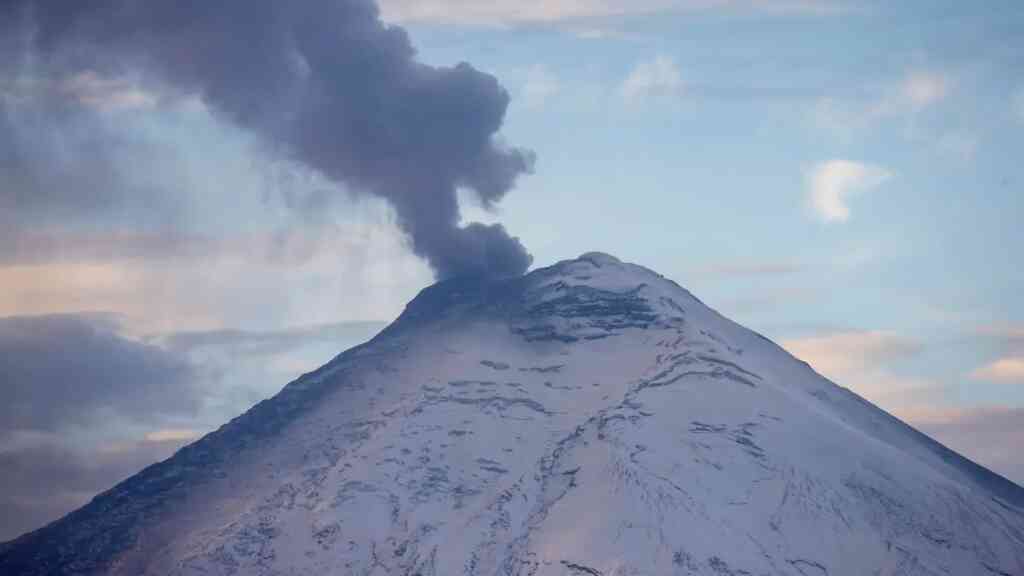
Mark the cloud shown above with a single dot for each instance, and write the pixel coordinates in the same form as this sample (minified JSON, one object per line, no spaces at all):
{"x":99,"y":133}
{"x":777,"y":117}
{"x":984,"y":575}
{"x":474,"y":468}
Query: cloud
{"x":262,"y":344}
{"x":173,"y":435}
{"x":62,"y":371}
{"x":830,"y":185}
{"x":104,"y":93}
{"x":84,"y":405}
{"x":1008,"y":370}
{"x":59,"y":164}
{"x":337,"y":91}
{"x":1011,"y":334}
{"x":992,"y":436}
{"x":45,"y":478}
{"x":512,"y":13}
{"x":921,"y":89}
{"x":21,"y":247}
{"x":593,"y":33}
{"x":865,"y":362}
{"x":65,"y":380}
{"x":841,"y":354}
{"x":914,"y":93}
{"x":657,"y":77}
{"x":358,"y":270}
{"x":87,"y":88}
{"x":540,"y":85}
{"x":153,"y":225}
{"x":251,"y":365}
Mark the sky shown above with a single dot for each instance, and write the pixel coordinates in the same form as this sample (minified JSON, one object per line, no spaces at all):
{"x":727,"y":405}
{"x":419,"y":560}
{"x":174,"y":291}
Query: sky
{"x":840,"y":176}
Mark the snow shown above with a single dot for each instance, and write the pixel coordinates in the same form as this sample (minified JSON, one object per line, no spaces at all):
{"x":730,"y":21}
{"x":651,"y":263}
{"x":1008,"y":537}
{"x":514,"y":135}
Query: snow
{"x":590,"y":418}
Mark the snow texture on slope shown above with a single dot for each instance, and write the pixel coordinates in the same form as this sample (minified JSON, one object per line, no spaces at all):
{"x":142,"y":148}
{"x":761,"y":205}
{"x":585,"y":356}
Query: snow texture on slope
{"x":588,"y":419}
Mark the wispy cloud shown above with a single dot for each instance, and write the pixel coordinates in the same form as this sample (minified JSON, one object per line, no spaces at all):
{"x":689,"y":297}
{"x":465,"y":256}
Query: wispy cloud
{"x":915,"y":92}
{"x":1010,"y":333}
{"x":831,"y":184}
{"x":845,"y":353}
{"x":262,"y":344}
{"x":361,"y":270}
{"x":919,"y":90}
{"x":1008,"y":367}
{"x":1009,"y":370}
{"x":91,"y":89}
{"x":88,"y":89}
{"x":512,"y":12}
{"x":173,"y":435}
{"x":540,"y":85}
{"x":656,"y":77}
{"x":866,"y":361}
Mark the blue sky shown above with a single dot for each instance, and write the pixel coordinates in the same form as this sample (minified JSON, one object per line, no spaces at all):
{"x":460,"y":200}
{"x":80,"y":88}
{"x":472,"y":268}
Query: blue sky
{"x":818,"y":169}
{"x":840,"y":176}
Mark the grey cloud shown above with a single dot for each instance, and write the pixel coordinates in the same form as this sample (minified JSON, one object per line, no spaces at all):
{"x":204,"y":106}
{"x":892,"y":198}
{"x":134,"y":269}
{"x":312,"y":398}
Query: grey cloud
{"x":60,"y":371}
{"x":63,"y":370}
{"x":588,"y":13}
{"x":341,"y":335}
{"x":327,"y":84}
{"x":249,"y":365}
{"x":43,"y":481}
{"x":56,"y":164}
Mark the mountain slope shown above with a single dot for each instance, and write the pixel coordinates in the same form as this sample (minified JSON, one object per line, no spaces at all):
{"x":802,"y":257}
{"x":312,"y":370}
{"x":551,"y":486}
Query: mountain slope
{"x":591,"y":418}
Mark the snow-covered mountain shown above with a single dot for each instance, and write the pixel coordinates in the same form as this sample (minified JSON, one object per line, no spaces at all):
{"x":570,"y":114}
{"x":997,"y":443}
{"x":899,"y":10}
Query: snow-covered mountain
{"x":590,"y":418}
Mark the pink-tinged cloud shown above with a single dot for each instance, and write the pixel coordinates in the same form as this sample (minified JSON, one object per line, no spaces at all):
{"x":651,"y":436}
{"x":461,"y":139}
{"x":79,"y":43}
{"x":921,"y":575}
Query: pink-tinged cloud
{"x":843,"y":354}
{"x":1008,"y":370}
{"x":513,"y":12}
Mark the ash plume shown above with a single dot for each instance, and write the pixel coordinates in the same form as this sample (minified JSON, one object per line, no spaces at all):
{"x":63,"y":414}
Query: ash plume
{"x":323,"y":81}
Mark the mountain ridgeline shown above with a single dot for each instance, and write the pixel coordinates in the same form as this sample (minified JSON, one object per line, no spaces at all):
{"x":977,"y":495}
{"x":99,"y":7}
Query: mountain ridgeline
{"x":591,"y":418}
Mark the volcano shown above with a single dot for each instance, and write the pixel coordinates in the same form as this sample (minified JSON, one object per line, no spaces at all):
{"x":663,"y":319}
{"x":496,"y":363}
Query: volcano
{"x":592,"y":418}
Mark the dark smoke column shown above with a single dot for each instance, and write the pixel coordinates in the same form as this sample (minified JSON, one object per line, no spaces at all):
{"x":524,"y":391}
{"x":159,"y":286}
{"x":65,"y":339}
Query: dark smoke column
{"x":329,"y":84}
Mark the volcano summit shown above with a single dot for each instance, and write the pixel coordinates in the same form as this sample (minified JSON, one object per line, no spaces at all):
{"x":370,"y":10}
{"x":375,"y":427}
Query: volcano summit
{"x":591,"y":419}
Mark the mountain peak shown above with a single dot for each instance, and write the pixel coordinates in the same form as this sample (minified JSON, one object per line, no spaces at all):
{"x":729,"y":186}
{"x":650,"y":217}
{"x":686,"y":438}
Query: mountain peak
{"x":590,"y":417}
{"x":599,"y":258}
{"x":593,"y":296}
